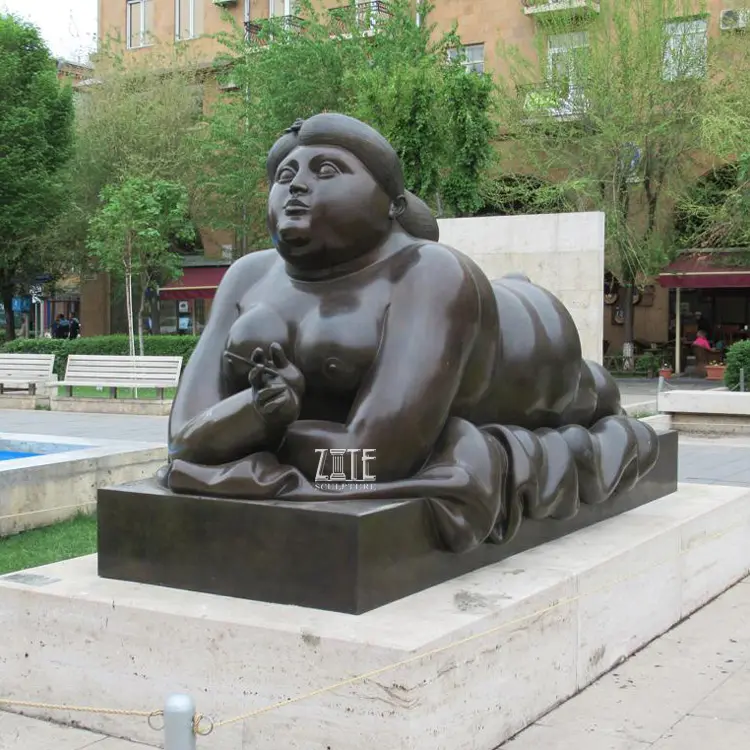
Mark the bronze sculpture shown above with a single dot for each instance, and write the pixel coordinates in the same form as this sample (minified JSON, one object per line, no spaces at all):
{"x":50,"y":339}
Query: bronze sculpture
{"x":360,"y":334}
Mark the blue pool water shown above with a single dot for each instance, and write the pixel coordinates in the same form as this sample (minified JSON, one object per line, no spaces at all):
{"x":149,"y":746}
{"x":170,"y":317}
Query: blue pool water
{"x":9,"y":455}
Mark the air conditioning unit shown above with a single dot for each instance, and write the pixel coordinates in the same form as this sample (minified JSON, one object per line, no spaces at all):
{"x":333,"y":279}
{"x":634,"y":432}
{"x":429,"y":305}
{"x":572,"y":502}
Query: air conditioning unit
{"x":225,"y":3}
{"x":734,"y":20}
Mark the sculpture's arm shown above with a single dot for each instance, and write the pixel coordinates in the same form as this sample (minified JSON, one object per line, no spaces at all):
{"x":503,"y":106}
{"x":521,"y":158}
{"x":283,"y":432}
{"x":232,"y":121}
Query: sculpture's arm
{"x":207,"y":425}
{"x":430,"y":329}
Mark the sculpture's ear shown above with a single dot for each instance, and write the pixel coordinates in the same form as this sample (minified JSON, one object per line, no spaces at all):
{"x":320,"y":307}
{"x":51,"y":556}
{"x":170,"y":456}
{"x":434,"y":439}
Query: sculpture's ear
{"x":398,"y":206}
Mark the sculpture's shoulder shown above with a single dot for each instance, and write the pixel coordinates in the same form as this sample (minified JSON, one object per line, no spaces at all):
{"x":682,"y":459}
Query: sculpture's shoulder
{"x":248,"y":269}
{"x":443,"y":262}
{"x":446,"y":269}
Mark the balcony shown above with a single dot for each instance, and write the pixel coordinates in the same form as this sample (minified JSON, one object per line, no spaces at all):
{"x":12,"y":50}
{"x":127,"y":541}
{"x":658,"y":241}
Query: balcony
{"x":260,"y":32}
{"x":553,"y":101}
{"x":551,"y":10}
{"x":364,"y":17}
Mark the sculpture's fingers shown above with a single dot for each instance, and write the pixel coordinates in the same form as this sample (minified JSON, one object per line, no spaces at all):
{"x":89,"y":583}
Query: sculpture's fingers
{"x":278,"y":356}
{"x":270,"y":393}
{"x":258,"y":357}
{"x":274,"y":404}
{"x":255,"y":378}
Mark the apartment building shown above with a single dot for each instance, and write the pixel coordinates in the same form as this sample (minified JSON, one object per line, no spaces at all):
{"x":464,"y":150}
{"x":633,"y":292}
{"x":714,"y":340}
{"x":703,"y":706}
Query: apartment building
{"x":141,"y":25}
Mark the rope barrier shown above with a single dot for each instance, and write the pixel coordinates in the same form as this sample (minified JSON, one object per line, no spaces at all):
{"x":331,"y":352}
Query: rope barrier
{"x":46,"y":510}
{"x":78,"y":709}
{"x":204,"y":725}
{"x":456,"y":644}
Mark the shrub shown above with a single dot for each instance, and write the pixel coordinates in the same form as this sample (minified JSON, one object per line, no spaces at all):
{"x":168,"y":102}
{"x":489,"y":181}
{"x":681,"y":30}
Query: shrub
{"x":164,"y":346}
{"x":738,"y":358}
{"x":647,"y":364}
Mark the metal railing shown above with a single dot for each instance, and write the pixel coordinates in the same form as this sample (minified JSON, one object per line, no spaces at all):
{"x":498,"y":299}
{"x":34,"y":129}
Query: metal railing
{"x":363,"y":16}
{"x":261,"y":31}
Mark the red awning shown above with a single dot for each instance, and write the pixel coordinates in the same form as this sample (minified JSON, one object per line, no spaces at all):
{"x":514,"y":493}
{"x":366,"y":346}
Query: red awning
{"x":196,"y":283}
{"x":702,"y":271}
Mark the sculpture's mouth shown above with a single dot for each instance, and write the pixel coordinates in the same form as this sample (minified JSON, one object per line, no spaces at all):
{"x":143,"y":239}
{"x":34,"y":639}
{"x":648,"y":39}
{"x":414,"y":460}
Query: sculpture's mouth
{"x":295,"y":207}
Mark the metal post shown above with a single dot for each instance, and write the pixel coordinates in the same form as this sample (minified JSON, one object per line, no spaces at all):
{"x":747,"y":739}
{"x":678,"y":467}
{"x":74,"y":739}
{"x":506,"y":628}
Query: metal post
{"x":742,"y":379}
{"x":179,"y":714}
{"x":677,"y":331}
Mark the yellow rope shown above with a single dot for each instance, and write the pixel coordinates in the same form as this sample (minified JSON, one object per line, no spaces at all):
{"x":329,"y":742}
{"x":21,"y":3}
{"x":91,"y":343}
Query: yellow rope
{"x":366,"y":675}
{"x":455,"y":644}
{"x":79,"y":709}
{"x":46,"y":510}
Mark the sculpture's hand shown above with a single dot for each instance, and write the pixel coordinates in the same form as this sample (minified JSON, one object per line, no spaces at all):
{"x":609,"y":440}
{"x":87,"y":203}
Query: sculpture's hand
{"x":276,"y":363}
{"x":277,"y":402}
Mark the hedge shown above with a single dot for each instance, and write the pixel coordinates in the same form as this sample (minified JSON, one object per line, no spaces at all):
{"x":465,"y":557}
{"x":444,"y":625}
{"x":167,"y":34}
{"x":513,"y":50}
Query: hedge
{"x":738,"y":357}
{"x":165,"y":346}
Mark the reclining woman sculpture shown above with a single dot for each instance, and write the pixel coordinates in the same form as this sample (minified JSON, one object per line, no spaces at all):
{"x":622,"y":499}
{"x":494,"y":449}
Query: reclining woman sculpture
{"x":361,"y":331}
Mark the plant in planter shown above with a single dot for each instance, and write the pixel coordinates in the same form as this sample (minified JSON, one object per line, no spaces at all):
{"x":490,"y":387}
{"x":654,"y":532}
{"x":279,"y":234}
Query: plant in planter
{"x":665,"y":371}
{"x":647,"y":364}
{"x":715,"y":370}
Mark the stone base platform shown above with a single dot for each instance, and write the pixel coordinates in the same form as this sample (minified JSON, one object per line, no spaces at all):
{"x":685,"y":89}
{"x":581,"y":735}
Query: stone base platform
{"x":481,"y":657}
{"x":23,"y":401}
{"x":145,"y":407}
{"x":714,"y":412}
{"x":343,"y":556}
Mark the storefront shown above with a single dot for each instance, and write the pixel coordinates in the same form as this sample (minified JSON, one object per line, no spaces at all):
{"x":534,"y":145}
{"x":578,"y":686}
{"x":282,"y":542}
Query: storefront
{"x":185,"y":304}
{"x":711,"y":293}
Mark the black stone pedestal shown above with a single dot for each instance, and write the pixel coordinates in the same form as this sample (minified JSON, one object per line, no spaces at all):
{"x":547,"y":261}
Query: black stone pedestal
{"x":340,"y":555}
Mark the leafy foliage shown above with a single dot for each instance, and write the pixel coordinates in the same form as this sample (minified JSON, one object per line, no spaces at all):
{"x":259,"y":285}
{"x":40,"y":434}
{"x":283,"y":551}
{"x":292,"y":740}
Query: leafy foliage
{"x":36,"y":116}
{"x":133,"y":232}
{"x":738,"y":358}
{"x":137,"y":119}
{"x":165,"y":346}
{"x":398,"y":78}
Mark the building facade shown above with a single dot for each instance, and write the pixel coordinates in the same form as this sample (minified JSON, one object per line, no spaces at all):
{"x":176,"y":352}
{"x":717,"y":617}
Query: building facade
{"x":140,"y":25}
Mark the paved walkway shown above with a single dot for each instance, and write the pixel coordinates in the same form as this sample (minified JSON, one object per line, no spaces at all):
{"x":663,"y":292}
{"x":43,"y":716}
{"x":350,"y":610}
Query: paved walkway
{"x":688,"y":690}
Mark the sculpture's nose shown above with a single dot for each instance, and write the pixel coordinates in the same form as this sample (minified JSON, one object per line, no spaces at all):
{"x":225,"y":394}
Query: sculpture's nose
{"x":298,"y":184}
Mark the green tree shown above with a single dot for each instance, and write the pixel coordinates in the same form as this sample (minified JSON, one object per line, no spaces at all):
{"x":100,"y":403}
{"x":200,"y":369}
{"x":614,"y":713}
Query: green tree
{"x":400,"y":76}
{"x":132,"y":236}
{"x":36,"y":117}
{"x":136,"y":119}
{"x":621,"y":108}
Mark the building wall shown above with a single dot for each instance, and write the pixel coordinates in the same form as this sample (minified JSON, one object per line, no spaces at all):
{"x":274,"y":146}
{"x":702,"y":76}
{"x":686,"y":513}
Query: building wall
{"x":650,"y":321}
{"x":95,"y":306}
{"x":563,"y":253}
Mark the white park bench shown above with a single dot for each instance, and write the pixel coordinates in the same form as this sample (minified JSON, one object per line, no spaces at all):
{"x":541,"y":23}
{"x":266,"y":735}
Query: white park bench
{"x":84,"y":370}
{"x":23,"y":372}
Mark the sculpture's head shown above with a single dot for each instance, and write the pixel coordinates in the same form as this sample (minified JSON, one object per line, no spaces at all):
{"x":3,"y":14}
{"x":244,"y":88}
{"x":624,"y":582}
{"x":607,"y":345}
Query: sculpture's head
{"x":337,"y":188}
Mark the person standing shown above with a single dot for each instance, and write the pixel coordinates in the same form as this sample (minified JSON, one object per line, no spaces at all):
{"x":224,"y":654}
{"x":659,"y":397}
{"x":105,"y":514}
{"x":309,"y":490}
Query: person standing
{"x":74,"y":327}
{"x":61,"y":328}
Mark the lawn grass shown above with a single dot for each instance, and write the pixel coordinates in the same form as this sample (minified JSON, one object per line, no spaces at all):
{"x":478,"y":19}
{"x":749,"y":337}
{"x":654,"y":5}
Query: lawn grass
{"x":62,"y":541}
{"x":90,"y":391}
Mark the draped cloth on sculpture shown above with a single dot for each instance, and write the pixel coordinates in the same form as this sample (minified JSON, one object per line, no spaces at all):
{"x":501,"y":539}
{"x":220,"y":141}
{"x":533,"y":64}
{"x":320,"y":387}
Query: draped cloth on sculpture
{"x":480,"y":482}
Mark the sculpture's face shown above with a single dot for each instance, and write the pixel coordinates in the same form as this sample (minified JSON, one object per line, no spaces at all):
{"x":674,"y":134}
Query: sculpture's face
{"x":325,"y":208}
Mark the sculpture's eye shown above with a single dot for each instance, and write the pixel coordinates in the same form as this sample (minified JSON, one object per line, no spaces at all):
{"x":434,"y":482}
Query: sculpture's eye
{"x":327,"y":169}
{"x":285,"y":174}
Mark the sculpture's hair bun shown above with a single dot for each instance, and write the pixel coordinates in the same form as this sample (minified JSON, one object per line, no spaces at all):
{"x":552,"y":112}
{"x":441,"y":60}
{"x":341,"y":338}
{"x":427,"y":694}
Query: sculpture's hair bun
{"x":371,"y":148}
{"x":418,"y":220}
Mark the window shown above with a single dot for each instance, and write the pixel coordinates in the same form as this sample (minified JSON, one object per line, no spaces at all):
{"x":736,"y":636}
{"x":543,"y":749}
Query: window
{"x":188,"y":19}
{"x":685,"y":49}
{"x":566,"y":56}
{"x":139,"y":22}
{"x":278,"y":8}
{"x":471,"y":57}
